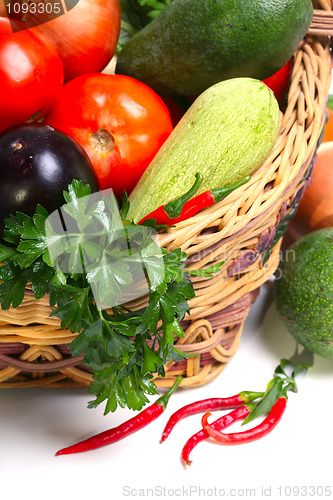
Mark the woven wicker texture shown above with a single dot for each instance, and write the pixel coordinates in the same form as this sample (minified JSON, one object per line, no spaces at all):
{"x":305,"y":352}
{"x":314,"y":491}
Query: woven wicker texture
{"x":244,"y":230}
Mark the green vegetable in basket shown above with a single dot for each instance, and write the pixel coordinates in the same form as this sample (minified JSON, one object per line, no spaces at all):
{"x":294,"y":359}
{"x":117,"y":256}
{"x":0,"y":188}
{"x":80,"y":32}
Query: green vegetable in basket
{"x":92,"y":262}
{"x":303,"y":291}
{"x":193,"y":44}
{"x":225,"y":135}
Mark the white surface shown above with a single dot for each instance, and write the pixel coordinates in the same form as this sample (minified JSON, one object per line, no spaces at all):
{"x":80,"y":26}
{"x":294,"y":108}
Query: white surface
{"x":35,"y":423}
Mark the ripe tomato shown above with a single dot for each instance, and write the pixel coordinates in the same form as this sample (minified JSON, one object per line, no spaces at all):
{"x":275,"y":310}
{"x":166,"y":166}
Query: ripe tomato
{"x":120,"y":122}
{"x":31,"y":75}
{"x":85,"y":36}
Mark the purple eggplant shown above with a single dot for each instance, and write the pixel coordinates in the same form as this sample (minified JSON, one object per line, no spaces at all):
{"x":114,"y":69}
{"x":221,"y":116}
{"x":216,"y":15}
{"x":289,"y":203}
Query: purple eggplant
{"x":36,"y":164}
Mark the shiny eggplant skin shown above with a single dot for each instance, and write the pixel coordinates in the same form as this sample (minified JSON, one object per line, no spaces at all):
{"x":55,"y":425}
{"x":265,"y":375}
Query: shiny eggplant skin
{"x":37,"y":163}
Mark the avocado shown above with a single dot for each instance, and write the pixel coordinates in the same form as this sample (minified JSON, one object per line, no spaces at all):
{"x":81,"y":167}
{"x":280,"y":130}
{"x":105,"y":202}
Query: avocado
{"x":303,"y":291}
{"x":193,"y":44}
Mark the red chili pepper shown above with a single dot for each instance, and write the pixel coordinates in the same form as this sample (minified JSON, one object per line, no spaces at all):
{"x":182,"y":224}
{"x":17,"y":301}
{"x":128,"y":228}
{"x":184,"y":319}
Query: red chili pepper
{"x":165,"y":213}
{"x":261,"y":430}
{"x":273,"y":402}
{"x":209,"y":404}
{"x":221,"y":423}
{"x":186,"y":206}
{"x":132,"y":425}
{"x":279,"y":82}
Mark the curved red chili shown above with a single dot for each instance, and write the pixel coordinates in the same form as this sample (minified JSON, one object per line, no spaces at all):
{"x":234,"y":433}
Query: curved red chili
{"x":186,"y":206}
{"x":209,"y":404}
{"x":205,"y":200}
{"x":132,"y":425}
{"x":261,"y":430}
{"x":172,"y":210}
{"x":221,"y":423}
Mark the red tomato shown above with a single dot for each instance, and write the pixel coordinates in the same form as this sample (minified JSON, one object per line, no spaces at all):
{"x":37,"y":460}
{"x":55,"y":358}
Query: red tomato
{"x":279,"y":82}
{"x":86,"y":36}
{"x":31,"y":75}
{"x":119,"y":121}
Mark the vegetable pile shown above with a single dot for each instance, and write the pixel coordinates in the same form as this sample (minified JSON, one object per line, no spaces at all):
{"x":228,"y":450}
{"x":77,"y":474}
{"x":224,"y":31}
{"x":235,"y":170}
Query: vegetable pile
{"x":93,"y":167}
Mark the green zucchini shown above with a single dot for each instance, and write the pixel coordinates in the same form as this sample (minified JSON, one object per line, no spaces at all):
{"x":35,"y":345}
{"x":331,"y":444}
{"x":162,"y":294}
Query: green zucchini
{"x":225,"y":135}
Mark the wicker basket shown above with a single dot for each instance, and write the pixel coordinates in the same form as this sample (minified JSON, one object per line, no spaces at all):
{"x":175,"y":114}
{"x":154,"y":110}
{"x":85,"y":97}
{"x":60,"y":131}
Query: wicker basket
{"x":245,"y":230}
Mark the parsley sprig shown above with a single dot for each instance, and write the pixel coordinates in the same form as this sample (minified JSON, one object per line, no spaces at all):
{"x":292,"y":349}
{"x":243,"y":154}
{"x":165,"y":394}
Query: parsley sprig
{"x":90,"y":260}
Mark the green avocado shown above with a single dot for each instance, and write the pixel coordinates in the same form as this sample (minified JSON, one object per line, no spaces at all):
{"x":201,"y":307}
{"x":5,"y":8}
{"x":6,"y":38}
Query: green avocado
{"x":193,"y":44}
{"x":303,"y":291}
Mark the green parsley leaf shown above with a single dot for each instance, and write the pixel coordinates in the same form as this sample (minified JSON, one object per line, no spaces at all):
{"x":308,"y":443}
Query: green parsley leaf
{"x":13,"y":289}
{"x":73,"y":306}
{"x":106,"y":279}
{"x":6,"y":252}
{"x":76,"y":191}
{"x":124,"y":206}
{"x":90,"y":262}
{"x":207,"y":272}
{"x":272,"y":394}
{"x":150,"y":359}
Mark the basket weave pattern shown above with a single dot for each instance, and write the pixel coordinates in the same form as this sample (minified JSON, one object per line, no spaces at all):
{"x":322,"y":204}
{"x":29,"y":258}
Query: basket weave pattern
{"x":244,"y":230}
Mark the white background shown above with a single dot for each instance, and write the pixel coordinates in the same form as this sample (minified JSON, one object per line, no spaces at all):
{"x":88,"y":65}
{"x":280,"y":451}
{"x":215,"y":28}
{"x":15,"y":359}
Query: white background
{"x":35,"y":423}
{"x":294,"y":461}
